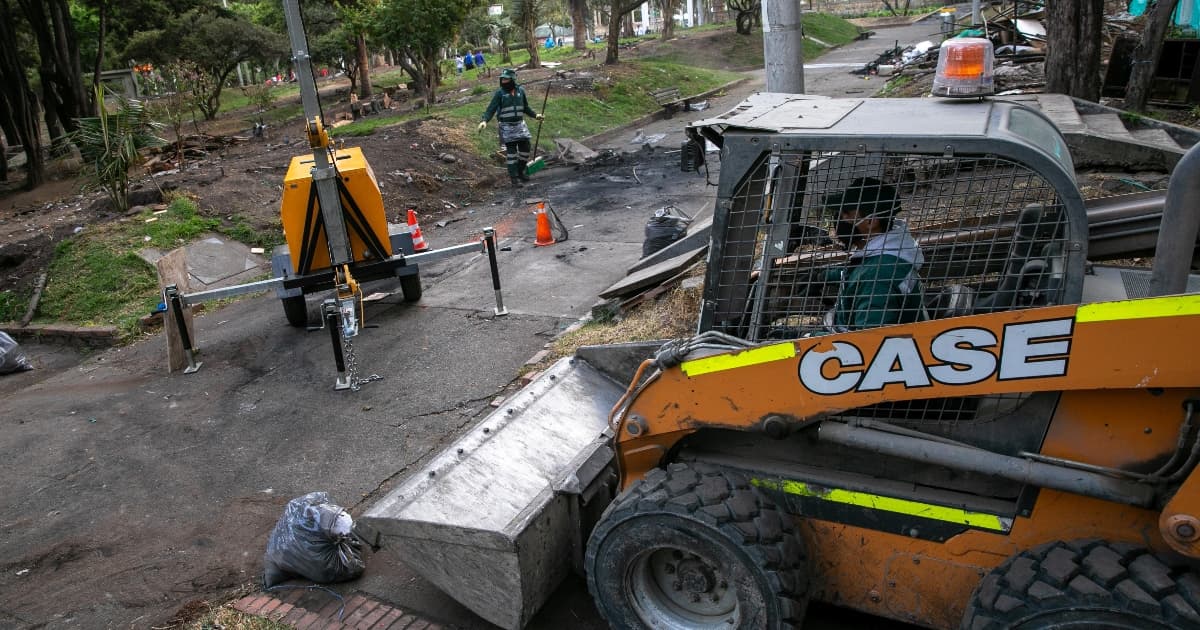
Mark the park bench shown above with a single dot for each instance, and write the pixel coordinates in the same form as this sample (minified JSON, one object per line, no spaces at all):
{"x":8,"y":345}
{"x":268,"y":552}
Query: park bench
{"x":668,"y":98}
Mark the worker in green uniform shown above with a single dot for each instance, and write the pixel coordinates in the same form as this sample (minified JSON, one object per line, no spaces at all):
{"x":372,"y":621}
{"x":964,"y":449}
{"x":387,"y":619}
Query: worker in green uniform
{"x":510,"y":107}
{"x":880,"y":284}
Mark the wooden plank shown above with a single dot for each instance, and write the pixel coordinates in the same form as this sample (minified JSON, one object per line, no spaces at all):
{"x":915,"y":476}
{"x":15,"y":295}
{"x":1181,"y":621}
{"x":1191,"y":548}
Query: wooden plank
{"x":651,"y":276}
{"x":172,"y":269}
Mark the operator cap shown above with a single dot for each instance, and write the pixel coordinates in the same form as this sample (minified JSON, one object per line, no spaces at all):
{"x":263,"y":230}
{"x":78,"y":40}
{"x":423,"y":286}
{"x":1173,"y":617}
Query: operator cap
{"x":867,"y":196}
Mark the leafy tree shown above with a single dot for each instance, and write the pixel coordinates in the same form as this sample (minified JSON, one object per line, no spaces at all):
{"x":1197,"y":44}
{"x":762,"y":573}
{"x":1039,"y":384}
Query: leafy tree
{"x":214,"y":41}
{"x":111,"y":144}
{"x":357,"y":16}
{"x":418,"y":29}
{"x":1147,"y":52}
{"x":64,"y":96}
{"x":18,"y":103}
{"x":526,"y":14}
{"x":1073,"y":33}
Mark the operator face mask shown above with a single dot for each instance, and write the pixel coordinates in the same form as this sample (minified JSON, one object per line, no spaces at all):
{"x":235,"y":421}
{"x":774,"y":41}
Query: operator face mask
{"x":845,"y":231}
{"x":506,"y":84}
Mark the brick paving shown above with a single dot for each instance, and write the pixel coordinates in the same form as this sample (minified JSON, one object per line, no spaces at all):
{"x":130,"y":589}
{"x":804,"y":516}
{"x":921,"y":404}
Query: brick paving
{"x":315,"y":609}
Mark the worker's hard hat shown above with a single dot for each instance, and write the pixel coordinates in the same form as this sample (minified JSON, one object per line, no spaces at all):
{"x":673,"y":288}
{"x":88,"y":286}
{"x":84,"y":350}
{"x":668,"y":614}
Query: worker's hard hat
{"x":509,"y":73}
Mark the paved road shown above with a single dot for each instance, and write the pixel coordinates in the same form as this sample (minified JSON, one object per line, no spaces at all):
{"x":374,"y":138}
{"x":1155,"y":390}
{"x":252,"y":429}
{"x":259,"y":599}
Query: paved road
{"x":129,"y":492}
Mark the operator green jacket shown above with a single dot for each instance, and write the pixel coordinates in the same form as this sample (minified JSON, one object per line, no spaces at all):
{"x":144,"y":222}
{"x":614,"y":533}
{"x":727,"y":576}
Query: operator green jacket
{"x":509,"y":107}
{"x":880,"y":286}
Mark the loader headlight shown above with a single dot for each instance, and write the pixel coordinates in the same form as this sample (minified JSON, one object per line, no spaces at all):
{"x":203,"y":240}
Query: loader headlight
{"x":965,"y":69}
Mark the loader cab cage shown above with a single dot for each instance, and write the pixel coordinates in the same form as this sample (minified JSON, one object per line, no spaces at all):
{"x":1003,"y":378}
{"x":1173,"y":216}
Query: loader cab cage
{"x":957,"y":209}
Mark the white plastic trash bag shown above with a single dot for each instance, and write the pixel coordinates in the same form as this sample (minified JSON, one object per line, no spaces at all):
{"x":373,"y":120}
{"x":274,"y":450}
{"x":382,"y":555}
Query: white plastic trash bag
{"x":11,"y":357}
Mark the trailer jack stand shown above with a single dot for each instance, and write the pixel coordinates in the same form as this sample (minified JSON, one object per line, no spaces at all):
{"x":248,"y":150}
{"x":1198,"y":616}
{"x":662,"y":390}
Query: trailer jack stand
{"x":489,"y":243}
{"x":331,"y":315}
{"x":171,"y":295}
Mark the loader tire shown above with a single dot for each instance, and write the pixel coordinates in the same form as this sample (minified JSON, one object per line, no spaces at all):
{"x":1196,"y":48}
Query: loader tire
{"x":695,"y":546}
{"x":410,"y":286}
{"x":1086,"y":585}
{"x":295,"y":308}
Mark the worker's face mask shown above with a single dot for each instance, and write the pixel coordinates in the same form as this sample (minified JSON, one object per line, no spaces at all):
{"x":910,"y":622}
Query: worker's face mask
{"x":506,"y":84}
{"x":845,"y":231}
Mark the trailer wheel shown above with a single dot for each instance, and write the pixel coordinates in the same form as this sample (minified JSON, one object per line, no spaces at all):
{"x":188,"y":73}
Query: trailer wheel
{"x":693,"y":547}
{"x":1086,"y":585}
{"x":411,"y":287}
{"x":296,"y":310}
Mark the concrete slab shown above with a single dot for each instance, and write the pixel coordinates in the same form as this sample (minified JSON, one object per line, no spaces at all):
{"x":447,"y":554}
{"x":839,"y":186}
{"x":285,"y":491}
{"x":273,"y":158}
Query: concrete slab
{"x":654,"y":274}
{"x":216,"y":261}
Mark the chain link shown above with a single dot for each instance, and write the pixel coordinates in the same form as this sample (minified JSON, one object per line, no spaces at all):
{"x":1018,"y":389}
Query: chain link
{"x":352,"y":365}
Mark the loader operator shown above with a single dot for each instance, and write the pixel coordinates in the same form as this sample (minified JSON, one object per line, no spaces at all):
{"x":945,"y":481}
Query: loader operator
{"x":880,"y":284}
{"x":510,"y":107}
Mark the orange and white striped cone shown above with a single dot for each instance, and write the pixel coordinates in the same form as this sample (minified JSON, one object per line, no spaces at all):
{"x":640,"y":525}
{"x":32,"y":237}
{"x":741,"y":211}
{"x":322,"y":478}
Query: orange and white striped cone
{"x":414,"y":228}
{"x":545,"y":236}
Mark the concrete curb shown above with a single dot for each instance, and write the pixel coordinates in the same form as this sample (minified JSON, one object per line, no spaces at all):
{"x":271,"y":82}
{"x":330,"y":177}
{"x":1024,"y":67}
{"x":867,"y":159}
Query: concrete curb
{"x":65,"y":334}
{"x":607,"y":134}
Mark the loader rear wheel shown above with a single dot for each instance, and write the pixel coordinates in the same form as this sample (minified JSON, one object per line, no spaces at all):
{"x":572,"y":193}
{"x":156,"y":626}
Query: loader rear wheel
{"x":410,"y":286}
{"x":694,"y":547}
{"x":1086,"y":585}
{"x":295,"y":308}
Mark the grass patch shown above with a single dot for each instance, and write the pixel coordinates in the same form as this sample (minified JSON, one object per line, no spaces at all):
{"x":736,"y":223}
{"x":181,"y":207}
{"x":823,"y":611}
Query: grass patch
{"x":894,"y":85}
{"x":240,"y":229}
{"x":570,"y":115}
{"x":730,"y":50}
{"x":234,"y":99}
{"x":13,"y":305}
{"x":227,"y":618}
{"x":97,"y":278}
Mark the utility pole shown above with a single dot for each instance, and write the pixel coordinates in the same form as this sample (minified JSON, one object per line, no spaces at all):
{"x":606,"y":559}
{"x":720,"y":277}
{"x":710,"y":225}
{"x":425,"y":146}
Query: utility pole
{"x":783,"y":46}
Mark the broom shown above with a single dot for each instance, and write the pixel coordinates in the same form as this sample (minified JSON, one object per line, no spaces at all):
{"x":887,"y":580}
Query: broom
{"x":537,"y":163}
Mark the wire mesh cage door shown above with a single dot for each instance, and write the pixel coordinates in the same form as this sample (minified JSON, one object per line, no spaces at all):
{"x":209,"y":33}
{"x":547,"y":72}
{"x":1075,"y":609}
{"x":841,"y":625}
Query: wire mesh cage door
{"x":818,"y":242}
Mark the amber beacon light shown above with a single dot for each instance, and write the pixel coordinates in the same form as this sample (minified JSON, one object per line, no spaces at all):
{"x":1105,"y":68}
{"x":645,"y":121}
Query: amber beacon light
{"x":964,"y":69}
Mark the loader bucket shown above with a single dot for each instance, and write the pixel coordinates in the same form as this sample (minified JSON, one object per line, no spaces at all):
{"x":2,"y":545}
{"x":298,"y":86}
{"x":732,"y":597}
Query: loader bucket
{"x":497,"y":519}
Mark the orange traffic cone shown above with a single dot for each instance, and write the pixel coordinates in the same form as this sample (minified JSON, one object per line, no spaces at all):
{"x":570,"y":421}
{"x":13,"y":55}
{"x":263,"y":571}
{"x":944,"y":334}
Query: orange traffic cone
{"x":544,"y":235}
{"x":419,"y":244}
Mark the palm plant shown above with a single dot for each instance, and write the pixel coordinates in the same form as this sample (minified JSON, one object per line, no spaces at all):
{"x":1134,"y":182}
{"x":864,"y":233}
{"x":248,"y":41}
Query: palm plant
{"x":111,"y":143}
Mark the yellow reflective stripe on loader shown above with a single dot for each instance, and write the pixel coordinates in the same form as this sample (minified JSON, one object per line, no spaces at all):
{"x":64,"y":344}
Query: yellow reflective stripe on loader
{"x":753,"y":356}
{"x":1170,"y":306}
{"x":889,"y":504}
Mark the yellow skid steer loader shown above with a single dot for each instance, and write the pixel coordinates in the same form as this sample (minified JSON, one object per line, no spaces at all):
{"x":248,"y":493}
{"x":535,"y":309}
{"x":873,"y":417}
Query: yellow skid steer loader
{"x":909,"y":393}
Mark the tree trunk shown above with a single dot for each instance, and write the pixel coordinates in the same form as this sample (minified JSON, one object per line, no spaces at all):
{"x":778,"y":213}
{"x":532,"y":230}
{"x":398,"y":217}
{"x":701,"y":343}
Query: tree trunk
{"x":58,"y":50}
{"x":668,"y":8}
{"x":416,"y":74}
{"x":100,"y":48}
{"x":627,"y":26}
{"x":18,"y":103}
{"x":614,"y":35}
{"x":1146,"y":54}
{"x":528,"y":25}
{"x":1073,"y":38}
{"x":364,"y":67}
{"x":432,"y":77}
{"x":579,"y":11}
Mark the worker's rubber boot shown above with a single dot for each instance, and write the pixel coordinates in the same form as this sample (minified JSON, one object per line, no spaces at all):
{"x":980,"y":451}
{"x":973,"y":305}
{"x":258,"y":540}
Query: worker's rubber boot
{"x":517,"y":183}
{"x":524,"y":176}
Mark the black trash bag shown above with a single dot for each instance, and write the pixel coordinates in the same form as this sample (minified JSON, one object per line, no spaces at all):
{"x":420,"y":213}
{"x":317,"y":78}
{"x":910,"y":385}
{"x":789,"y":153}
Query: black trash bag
{"x":313,"y":540}
{"x":668,"y":225}
{"x":11,"y":357}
